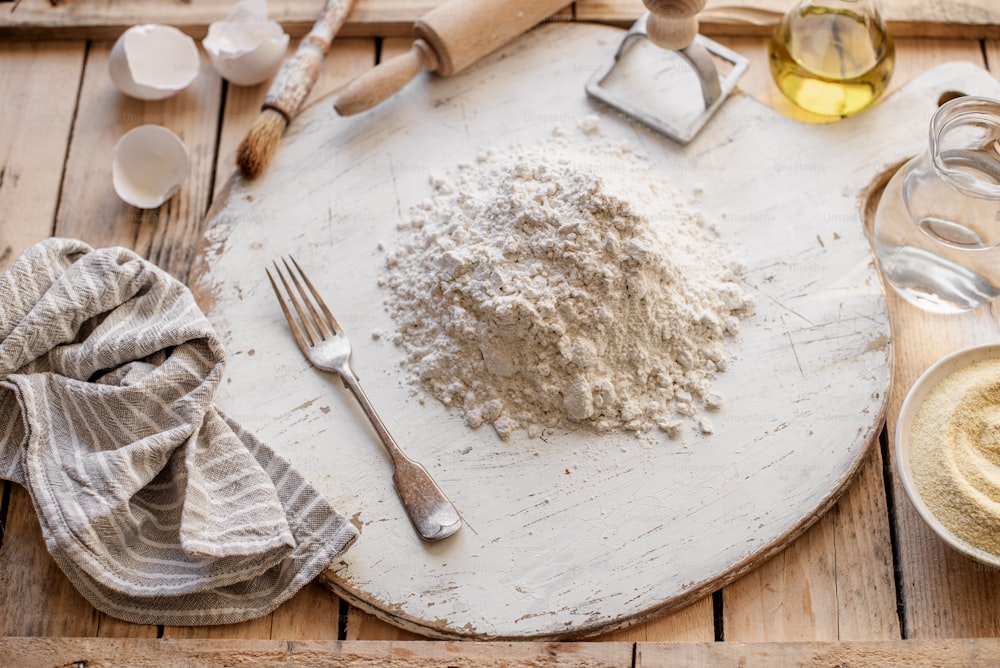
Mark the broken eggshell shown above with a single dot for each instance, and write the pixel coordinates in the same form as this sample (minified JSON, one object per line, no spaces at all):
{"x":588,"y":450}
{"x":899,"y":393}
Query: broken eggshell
{"x":149,"y":167}
{"x":246,"y":48}
{"x":153,"y":62}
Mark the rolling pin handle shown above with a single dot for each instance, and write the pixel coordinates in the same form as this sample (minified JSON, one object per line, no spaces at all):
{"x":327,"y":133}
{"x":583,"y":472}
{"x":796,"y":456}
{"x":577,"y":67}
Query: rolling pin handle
{"x":385,"y":79}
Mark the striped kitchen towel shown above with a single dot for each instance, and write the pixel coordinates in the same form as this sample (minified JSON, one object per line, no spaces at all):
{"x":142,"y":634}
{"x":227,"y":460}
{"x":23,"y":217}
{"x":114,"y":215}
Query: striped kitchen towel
{"x":157,"y":507}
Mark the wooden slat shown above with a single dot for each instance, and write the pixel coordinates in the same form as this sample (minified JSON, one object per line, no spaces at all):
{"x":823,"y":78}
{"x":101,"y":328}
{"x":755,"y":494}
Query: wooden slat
{"x":92,"y":19}
{"x":945,"y":595}
{"x":363,"y":625}
{"x":791,"y":597}
{"x":761,"y":607}
{"x":906,"y":18}
{"x":38,"y":84}
{"x":254,"y":629}
{"x":693,"y":623}
{"x":806,"y":593}
{"x":833,"y":583}
{"x":836,"y":581}
{"x":36,"y":599}
{"x":887,"y":654}
{"x":865,"y":598}
{"x":312,"y":614}
{"x":51,"y":652}
{"x":89,"y":208}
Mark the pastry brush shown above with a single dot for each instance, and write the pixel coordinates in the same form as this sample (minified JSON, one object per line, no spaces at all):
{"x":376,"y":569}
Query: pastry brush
{"x":289,"y":90}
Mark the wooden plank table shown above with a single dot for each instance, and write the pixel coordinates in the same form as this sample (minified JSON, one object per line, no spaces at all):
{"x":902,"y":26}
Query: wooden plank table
{"x":867,"y":584}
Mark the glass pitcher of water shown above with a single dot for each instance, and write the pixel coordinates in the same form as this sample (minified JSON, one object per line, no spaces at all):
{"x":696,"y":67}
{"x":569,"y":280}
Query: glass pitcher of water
{"x":937,"y":225}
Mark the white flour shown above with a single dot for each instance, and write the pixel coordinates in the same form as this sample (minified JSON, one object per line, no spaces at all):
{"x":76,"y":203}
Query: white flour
{"x":564,"y":286}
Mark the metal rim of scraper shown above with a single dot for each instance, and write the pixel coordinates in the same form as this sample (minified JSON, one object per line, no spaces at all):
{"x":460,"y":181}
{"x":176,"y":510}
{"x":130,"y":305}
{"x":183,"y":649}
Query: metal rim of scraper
{"x":698,"y":54}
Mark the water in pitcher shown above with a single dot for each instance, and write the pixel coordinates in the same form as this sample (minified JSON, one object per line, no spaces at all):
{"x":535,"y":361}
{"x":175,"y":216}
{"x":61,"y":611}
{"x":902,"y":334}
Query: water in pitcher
{"x":937,"y":226}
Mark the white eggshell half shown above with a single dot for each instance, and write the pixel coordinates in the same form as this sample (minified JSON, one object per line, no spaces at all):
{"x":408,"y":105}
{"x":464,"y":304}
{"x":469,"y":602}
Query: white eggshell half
{"x":149,"y":167}
{"x":153,"y":62}
{"x":246,"y":48}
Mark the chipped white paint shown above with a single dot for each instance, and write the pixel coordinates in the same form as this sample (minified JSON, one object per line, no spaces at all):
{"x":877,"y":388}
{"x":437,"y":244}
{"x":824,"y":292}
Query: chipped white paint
{"x":579,"y":533}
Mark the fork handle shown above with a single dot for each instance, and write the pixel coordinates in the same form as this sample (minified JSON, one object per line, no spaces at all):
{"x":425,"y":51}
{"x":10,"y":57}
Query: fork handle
{"x":429,"y":508}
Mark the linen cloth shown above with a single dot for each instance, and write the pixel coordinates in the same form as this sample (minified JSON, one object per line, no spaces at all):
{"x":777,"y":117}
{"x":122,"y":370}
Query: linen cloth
{"x":158,"y":508}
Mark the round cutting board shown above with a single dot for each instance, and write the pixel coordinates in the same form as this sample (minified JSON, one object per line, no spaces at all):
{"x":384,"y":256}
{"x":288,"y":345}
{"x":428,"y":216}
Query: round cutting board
{"x":577,"y":533}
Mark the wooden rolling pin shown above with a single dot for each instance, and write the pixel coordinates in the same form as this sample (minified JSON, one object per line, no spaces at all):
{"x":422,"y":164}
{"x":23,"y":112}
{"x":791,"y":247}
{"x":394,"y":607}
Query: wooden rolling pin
{"x":449,"y":38}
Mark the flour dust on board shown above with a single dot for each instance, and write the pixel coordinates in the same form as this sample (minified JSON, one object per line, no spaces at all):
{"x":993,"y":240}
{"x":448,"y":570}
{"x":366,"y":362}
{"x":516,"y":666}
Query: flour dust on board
{"x":564,"y":286}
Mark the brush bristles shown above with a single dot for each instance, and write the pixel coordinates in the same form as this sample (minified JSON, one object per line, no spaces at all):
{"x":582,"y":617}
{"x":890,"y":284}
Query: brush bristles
{"x":259,"y":145}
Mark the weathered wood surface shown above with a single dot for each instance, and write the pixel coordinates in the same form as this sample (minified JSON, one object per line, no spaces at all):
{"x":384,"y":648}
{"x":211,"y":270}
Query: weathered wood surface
{"x":935,"y":579}
{"x":170,"y":652}
{"x":94,"y":19}
{"x":199,"y":653}
{"x":909,"y":18}
{"x":72,"y":117}
{"x":783,"y":384}
{"x":943,"y":596}
{"x":43,"y":78}
{"x":887,"y":654}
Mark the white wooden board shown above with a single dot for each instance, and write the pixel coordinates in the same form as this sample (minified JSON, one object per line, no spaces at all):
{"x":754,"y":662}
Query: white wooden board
{"x":580,"y":533}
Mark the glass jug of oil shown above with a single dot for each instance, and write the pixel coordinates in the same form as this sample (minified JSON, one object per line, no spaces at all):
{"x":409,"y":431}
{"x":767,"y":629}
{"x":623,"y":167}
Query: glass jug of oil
{"x":937,"y":224}
{"x":832,"y":57}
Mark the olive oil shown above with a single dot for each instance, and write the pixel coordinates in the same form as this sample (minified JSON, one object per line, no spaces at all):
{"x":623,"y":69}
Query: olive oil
{"x":832,"y":61}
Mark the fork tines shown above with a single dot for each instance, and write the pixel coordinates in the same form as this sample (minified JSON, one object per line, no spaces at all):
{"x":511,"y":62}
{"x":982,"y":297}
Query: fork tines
{"x":317,"y":322}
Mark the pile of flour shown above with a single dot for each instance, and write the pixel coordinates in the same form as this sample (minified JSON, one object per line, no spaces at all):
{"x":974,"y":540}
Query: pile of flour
{"x":564,"y":285}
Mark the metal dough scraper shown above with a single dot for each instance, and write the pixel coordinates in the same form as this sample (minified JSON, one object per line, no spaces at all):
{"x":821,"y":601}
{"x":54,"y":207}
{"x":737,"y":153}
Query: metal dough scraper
{"x":664,"y":73}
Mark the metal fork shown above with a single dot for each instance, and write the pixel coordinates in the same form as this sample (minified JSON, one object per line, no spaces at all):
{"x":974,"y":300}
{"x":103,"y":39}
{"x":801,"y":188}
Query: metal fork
{"x":325,"y":345}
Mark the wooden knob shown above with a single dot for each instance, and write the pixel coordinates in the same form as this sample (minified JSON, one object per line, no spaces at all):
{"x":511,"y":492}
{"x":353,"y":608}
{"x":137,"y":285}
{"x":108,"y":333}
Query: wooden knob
{"x":673,"y":34}
{"x":674,"y":9}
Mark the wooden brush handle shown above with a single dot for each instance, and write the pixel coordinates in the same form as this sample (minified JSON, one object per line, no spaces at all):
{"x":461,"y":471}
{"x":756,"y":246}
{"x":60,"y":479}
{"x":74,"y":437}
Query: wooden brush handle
{"x":297,"y":75}
{"x":673,"y":24}
{"x":450,"y":37}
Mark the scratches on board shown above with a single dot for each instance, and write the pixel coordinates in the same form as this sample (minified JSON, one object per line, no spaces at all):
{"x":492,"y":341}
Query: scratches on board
{"x":795,"y":354}
{"x":878,"y":343}
{"x":304,"y":405}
